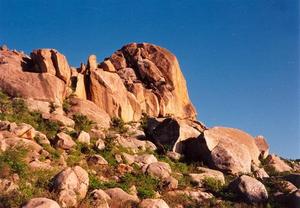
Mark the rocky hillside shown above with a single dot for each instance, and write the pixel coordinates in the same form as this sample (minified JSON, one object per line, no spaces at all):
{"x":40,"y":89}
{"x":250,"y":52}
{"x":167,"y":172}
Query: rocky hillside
{"x":123,"y":133}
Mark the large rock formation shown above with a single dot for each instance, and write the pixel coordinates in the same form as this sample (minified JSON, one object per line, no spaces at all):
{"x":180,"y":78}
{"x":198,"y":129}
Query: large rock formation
{"x":227,"y":149}
{"x":140,"y":78}
{"x":17,"y":78}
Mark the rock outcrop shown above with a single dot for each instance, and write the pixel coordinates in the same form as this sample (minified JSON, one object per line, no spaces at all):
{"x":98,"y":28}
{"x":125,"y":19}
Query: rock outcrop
{"x":226,"y":149}
{"x":140,"y":78}
{"x":18,"y":79}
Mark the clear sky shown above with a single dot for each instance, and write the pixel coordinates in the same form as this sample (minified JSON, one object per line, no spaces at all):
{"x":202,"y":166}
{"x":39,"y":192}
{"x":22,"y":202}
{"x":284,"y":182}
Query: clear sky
{"x":240,"y":57}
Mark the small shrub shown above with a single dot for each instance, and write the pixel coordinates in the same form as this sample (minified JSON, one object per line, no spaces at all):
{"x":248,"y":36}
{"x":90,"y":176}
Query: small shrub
{"x":118,"y":125}
{"x":82,"y":123}
{"x":66,"y":106}
{"x":212,"y":184}
{"x":13,"y":160}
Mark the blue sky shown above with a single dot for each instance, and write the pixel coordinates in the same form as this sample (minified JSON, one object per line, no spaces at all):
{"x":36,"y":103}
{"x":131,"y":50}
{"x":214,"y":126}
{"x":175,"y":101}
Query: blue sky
{"x":240,"y":57}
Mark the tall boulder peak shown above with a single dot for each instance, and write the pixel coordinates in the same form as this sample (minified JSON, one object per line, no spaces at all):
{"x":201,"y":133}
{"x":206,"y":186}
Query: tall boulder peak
{"x":152,"y":75}
{"x":52,"y":62}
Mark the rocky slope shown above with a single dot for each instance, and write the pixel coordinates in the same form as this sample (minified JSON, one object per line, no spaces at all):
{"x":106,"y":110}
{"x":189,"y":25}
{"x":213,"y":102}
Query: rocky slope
{"x":123,"y":133}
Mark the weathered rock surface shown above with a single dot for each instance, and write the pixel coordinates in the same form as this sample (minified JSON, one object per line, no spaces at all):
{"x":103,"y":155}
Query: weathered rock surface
{"x":108,"y":92}
{"x":134,"y":144}
{"x":71,"y":185}
{"x":64,"y":141}
{"x":294,"y":178}
{"x":121,"y":198}
{"x":84,"y":137}
{"x":100,"y":199}
{"x":277,"y":164}
{"x":147,"y":79}
{"x":52,"y":62}
{"x":227,"y":149}
{"x":173,"y":132}
{"x":160,"y":170}
{"x":17,"y":79}
{"x":206,"y":173}
{"x":263,"y":146}
{"x":153,"y":203}
{"x":89,"y":109}
{"x":250,"y":189}
{"x":41,"y":203}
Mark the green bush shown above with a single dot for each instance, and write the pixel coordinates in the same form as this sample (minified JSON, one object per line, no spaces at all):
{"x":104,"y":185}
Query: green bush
{"x":66,"y":106}
{"x":82,"y":123}
{"x":118,"y":125}
{"x":212,"y":184}
{"x":13,"y":160}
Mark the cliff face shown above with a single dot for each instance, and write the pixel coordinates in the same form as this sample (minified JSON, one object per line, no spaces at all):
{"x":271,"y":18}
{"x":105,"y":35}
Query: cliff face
{"x":138,"y":78}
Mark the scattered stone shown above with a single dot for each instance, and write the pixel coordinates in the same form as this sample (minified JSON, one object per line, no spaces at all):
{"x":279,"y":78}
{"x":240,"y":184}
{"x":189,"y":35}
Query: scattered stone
{"x":170,"y":183}
{"x":71,"y":185}
{"x":134,"y":144}
{"x":277,"y":164}
{"x":97,"y":160}
{"x":260,"y":173}
{"x":41,"y":203}
{"x":100,"y":199}
{"x":100,"y":145}
{"x":174,"y":155}
{"x":158,"y":169}
{"x":121,"y":198}
{"x":124,"y":168}
{"x":206,"y":173}
{"x":153,"y":203}
{"x":84,"y":138}
{"x":294,"y":178}
{"x":64,"y":141}
{"x":59,"y":118}
{"x":263,"y":146}
{"x":7,"y":186}
{"x":249,"y":188}
{"x":25,"y":131}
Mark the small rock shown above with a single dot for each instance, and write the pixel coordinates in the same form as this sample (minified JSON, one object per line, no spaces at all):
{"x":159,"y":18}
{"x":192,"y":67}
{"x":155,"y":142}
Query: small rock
{"x":97,"y":160}
{"x":174,"y":155}
{"x":25,"y":131}
{"x":71,"y":185}
{"x":41,"y":203}
{"x":123,"y":168}
{"x":100,"y":199}
{"x":7,"y":186}
{"x":121,"y":198}
{"x":277,"y":164}
{"x":153,"y":203}
{"x":63,"y":120}
{"x":170,"y":183}
{"x":84,"y":137}
{"x":100,"y":145}
{"x":64,"y":141}
{"x":260,"y":173}
{"x":158,"y":169}
{"x":118,"y":158}
{"x":207,"y":173}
